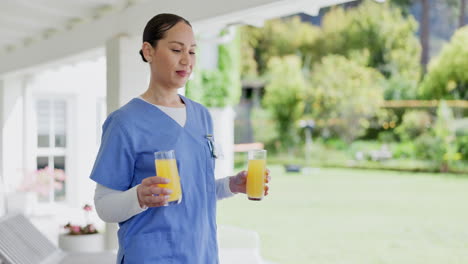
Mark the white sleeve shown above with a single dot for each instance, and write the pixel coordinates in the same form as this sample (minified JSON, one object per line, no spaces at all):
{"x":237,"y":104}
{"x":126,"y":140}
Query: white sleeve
{"x":222,"y":188}
{"x":116,"y":206}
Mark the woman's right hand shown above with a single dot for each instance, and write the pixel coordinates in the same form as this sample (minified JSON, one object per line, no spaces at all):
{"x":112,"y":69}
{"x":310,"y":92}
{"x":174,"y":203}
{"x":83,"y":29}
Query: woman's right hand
{"x":150,"y":195}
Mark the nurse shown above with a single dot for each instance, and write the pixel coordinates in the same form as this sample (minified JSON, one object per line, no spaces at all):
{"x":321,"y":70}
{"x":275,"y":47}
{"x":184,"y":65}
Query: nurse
{"x":161,"y":119}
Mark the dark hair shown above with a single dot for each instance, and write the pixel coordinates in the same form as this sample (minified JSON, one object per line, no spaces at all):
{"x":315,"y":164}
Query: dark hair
{"x":157,"y":26}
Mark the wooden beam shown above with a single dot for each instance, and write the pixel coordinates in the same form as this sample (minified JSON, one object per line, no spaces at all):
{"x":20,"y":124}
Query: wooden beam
{"x":423,"y":103}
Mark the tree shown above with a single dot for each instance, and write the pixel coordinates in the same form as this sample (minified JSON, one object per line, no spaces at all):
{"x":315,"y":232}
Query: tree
{"x":461,"y":19}
{"x":278,"y":37}
{"x":384,"y":34}
{"x":447,"y":76}
{"x":424,"y":35}
{"x":284,"y":96}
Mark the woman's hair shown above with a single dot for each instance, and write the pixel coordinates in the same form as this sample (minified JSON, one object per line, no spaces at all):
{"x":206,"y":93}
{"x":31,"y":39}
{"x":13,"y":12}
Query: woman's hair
{"x":157,"y":26}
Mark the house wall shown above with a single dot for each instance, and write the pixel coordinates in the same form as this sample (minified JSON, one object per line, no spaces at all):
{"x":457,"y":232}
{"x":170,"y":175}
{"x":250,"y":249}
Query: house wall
{"x":83,"y":86}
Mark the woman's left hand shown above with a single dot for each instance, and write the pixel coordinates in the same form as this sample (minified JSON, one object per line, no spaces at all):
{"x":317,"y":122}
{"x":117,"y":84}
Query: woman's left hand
{"x":238,"y":183}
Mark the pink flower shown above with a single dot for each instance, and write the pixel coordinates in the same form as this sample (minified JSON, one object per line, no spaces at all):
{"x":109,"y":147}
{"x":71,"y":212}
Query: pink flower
{"x":91,"y":228}
{"x":75,"y":229}
{"x":87,"y":208}
{"x":43,"y":181}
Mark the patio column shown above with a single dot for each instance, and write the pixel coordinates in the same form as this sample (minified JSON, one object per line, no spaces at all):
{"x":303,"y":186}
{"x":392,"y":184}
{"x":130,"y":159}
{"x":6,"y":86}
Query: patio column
{"x":2,"y":181}
{"x":127,"y":77}
{"x":127,"y":74}
{"x":223,"y":118}
{"x":11,"y":136}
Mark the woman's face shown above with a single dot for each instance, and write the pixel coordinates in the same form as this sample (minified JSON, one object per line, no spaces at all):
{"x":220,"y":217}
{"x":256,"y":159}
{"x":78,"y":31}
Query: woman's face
{"x":173,"y":58}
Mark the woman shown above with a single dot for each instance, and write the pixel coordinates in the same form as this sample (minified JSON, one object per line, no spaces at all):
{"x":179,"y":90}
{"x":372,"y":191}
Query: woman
{"x":160,"y":119}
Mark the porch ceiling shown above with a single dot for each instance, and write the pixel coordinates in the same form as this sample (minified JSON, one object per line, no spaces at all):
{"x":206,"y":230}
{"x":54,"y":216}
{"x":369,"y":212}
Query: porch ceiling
{"x":35,"y":32}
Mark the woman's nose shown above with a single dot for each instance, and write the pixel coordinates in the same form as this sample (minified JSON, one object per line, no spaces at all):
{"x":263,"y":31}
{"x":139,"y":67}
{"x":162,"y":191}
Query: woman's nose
{"x":185,"y":60}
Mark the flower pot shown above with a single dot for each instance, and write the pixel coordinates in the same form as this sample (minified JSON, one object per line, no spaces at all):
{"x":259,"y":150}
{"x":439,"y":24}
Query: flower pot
{"x":81,"y":243}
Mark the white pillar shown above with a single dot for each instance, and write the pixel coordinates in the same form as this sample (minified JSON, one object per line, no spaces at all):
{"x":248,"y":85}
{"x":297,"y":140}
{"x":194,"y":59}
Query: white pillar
{"x":2,"y":181}
{"x":223,"y":126}
{"x":29,"y":131}
{"x":223,"y":118}
{"x":127,"y":74}
{"x":127,"y":77}
{"x":11,"y":139}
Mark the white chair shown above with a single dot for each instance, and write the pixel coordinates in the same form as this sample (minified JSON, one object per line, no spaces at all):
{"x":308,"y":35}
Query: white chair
{"x":238,"y":245}
{"x":22,"y":243}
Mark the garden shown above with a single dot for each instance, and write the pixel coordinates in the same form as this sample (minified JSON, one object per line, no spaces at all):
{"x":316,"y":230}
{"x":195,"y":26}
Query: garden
{"x":367,"y":135}
{"x":353,"y":92}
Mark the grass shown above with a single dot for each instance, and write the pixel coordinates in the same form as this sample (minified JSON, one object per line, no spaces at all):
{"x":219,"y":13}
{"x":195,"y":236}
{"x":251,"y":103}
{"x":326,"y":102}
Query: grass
{"x":357,"y":216}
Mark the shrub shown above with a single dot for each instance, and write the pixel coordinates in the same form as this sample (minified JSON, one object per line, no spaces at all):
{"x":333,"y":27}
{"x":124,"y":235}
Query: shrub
{"x":263,"y":125}
{"x":219,"y":87}
{"x":462,"y":142}
{"x":404,"y":150}
{"x":415,"y":123}
{"x":439,"y":143}
{"x":461,"y":137}
{"x":343,"y":96}
{"x":429,"y":147}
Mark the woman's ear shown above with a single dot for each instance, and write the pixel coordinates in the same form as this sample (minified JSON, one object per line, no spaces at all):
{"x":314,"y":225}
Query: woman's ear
{"x":148,"y":52}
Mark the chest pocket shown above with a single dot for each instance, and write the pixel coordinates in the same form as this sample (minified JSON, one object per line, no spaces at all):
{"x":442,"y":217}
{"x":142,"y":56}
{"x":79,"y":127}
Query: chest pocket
{"x":210,"y":166}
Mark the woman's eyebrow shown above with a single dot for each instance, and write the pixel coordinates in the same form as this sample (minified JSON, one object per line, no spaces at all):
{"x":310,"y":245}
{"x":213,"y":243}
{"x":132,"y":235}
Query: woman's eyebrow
{"x":182,"y":44}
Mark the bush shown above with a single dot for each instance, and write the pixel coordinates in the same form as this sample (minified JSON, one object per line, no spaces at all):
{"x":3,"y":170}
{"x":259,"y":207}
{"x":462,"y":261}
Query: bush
{"x":429,"y":147}
{"x":404,"y":150}
{"x":343,"y":96}
{"x":462,"y":142}
{"x":461,"y":137}
{"x":415,"y":123}
{"x":387,"y":137}
{"x":264,"y":129}
{"x":222,"y":86}
{"x":336,"y":143}
{"x":439,"y":143}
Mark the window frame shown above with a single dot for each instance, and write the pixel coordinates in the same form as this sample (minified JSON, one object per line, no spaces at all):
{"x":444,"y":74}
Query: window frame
{"x":51,"y":152}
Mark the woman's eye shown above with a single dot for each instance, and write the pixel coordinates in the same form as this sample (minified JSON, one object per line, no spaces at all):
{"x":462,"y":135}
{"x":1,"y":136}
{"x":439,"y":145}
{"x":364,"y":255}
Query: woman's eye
{"x":192,"y":52}
{"x":176,"y":50}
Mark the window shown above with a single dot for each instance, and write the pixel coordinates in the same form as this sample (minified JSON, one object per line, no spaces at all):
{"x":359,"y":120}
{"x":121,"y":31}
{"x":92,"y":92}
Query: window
{"x":51,"y":146}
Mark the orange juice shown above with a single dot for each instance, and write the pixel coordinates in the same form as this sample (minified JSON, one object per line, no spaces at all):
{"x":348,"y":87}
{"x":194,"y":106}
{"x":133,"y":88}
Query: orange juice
{"x":256,"y":179}
{"x":167,"y":168}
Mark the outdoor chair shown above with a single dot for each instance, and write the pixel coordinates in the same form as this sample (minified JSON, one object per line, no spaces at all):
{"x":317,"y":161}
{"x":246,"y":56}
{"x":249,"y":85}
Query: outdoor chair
{"x":22,"y":243}
{"x":238,"y":245}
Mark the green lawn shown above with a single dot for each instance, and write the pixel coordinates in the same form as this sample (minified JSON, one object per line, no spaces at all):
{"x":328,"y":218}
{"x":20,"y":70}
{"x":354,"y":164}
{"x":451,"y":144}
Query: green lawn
{"x":357,"y":216}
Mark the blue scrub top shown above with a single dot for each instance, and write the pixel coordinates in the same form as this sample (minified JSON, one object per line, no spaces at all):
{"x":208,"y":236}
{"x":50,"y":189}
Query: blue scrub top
{"x":182,"y":233}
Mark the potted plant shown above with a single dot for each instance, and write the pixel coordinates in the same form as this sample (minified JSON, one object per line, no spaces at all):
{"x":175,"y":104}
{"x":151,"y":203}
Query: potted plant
{"x":81,"y":238}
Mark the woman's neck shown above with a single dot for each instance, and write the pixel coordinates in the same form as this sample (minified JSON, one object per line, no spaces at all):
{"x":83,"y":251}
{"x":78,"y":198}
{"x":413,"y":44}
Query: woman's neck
{"x":161,"y":96}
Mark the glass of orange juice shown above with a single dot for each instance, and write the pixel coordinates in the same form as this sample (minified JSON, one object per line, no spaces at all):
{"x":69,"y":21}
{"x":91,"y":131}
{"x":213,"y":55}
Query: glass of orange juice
{"x":256,"y":174}
{"x":166,"y":167}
